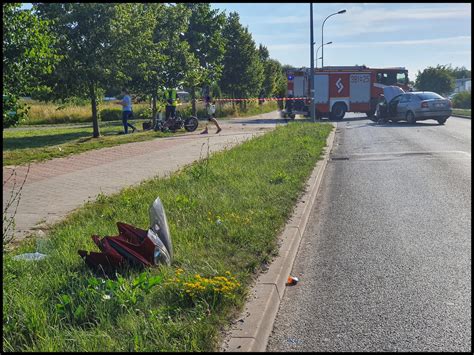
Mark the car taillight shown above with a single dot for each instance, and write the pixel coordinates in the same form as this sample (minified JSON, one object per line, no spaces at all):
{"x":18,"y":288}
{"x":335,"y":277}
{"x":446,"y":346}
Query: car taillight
{"x":424,"y":105}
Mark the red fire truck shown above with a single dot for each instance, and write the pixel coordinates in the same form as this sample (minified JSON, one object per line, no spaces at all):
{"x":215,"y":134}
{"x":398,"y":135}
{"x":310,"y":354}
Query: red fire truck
{"x":341,"y":89}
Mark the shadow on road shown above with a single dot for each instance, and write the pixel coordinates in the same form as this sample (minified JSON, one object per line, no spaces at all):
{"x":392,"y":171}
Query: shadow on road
{"x":405,"y":124}
{"x":262,"y":121}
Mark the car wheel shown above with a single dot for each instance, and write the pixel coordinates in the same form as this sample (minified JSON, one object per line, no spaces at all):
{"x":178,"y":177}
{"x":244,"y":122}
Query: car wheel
{"x":442,"y":120}
{"x":338,"y":111}
{"x":410,"y":117}
{"x":292,"y":116}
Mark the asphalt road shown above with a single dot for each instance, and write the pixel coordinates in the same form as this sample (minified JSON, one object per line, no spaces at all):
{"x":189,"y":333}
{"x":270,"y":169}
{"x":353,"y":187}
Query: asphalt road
{"x":385,"y":261}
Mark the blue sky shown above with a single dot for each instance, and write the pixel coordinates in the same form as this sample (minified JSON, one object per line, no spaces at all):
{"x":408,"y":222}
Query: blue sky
{"x":413,"y":35}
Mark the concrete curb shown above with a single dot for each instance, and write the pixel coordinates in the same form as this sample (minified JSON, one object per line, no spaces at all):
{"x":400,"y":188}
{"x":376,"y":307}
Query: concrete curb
{"x":252,"y":331}
{"x":461,"y":116}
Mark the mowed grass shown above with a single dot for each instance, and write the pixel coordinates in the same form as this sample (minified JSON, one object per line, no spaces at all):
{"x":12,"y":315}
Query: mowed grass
{"x":462,"y":112}
{"x":27,"y":145}
{"x":224,"y":212}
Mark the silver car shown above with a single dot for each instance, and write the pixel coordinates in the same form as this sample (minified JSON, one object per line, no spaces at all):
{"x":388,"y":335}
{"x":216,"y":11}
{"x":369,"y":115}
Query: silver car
{"x":415,"y":106}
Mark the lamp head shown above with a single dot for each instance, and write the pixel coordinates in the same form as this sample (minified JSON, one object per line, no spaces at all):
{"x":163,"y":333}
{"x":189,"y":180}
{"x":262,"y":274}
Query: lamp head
{"x":341,"y":12}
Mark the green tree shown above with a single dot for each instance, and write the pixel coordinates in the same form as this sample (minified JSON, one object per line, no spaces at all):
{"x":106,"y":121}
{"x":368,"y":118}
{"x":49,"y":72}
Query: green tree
{"x":272,"y":78}
{"x":436,"y":79}
{"x":458,"y":72}
{"x":142,"y":58}
{"x":207,"y":44}
{"x":243,"y":72}
{"x":94,"y":40}
{"x":263,"y":53}
{"x":181,"y":67}
{"x":27,"y":54}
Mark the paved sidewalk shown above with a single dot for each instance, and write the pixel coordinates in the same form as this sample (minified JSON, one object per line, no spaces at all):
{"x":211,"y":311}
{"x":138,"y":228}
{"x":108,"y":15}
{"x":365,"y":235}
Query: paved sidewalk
{"x":56,"y":187}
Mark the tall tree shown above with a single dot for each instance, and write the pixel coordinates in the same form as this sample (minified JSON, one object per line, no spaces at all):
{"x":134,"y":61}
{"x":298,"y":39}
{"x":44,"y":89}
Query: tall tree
{"x":27,"y":53}
{"x":437,"y":79}
{"x":243,"y":72}
{"x":263,"y":53}
{"x":180,"y":66}
{"x":272,"y":79}
{"x":92,"y":39}
{"x":142,"y":59}
{"x":204,"y":35}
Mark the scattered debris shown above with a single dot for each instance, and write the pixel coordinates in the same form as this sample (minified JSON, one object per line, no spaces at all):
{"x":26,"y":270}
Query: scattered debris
{"x":30,"y":256}
{"x":292,"y":280}
{"x":133,"y":245}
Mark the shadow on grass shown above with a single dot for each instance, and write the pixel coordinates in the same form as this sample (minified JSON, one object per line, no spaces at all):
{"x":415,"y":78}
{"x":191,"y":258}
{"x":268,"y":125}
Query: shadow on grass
{"x":13,"y":143}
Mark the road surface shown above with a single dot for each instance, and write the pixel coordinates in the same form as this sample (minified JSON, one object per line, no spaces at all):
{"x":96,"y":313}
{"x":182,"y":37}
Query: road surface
{"x":385,"y":261}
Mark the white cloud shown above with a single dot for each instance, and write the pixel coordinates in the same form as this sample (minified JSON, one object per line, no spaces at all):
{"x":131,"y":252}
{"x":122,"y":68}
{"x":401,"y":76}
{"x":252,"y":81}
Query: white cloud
{"x":459,"y":40}
{"x":362,"y":20}
{"x":274,"y":20}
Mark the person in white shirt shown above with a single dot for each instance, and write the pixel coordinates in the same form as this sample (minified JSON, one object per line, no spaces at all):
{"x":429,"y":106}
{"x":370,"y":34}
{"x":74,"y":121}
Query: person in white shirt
{"x":127,"y":112}
{"x":211,"y":111}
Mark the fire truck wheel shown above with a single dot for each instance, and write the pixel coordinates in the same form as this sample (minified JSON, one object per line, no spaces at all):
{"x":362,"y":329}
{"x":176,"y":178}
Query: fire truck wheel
{"x":338,"y":111}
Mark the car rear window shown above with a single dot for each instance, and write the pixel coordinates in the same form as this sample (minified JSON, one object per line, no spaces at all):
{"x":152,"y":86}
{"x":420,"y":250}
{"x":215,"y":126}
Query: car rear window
{"x":428,"y":96}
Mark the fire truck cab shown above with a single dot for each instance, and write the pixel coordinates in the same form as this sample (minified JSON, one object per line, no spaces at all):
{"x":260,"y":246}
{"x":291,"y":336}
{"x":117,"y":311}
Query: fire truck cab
{"x":341,"y":89}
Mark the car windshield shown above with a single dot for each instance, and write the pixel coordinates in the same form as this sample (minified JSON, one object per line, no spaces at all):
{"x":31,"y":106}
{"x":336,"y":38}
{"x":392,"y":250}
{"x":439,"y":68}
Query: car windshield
{"x":428,"y":96}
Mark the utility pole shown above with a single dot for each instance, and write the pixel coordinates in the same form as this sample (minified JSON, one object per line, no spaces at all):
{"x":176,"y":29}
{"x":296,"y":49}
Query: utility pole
{"x":311,"y":74}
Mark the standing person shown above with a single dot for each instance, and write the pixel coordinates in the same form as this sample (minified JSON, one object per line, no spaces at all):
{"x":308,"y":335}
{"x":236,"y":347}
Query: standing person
{"x":211,"y":111}
{"x":127,"y":112}
{"x":382,"y":109}
{"x":171,"y":102}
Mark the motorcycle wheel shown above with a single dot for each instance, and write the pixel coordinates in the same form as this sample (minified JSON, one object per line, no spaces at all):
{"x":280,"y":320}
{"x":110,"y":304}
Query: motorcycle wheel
{"x":191,"y":124}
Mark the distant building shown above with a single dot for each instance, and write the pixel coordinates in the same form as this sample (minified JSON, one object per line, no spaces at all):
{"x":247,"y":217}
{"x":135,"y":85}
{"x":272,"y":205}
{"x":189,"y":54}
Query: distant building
{"x":463,"y":84}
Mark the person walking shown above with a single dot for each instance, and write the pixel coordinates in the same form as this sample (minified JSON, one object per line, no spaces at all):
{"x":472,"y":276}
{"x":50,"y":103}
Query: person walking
{"x":211,"y":112}
{"x":127,"y":112}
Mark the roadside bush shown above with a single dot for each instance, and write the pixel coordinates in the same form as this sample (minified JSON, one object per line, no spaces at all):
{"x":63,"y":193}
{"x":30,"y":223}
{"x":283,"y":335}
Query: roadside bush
{"x":462,"y":100}
{"x":14,"y":111}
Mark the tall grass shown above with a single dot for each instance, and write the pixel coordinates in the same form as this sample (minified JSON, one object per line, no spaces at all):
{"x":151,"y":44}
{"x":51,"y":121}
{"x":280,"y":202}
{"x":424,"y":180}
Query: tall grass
{"x":41,"y":113}
{"x":224,"y":214}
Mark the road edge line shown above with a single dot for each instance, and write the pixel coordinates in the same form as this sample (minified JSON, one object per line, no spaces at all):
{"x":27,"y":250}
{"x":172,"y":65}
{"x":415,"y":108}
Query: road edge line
{"x":255,"y":323}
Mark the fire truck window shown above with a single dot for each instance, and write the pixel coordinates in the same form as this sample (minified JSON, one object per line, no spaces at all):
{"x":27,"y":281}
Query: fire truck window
{"x":384,"y":79}
{"x":402,"y":78}
{"x":391,"y":79}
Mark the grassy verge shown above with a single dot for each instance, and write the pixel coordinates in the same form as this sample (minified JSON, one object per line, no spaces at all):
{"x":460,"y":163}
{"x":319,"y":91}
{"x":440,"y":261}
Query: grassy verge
{"x":462,"y":112}
{"x":224,"y":213}
{"x":30,"y":145}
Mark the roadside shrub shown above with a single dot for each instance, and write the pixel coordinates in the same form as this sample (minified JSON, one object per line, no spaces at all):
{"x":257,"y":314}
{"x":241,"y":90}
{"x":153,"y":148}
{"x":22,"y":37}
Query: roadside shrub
{"x":14,"y":111}
{"x":462,"y":100}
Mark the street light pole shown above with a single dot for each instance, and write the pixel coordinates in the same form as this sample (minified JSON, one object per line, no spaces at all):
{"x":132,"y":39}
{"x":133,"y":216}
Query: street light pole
{"x":317,"y":50}
{"x":322,"y":35}
{"x":311,"y":75}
